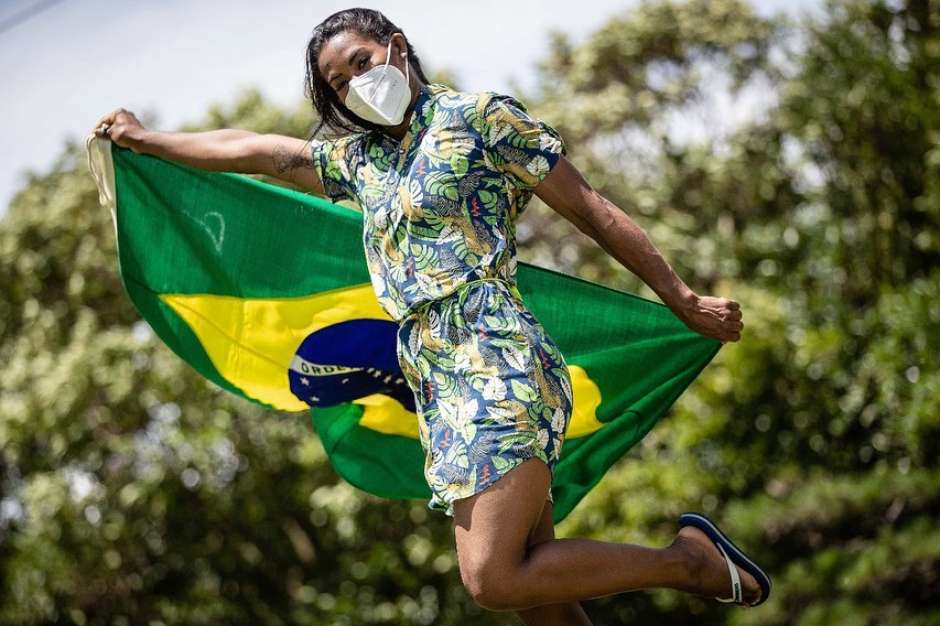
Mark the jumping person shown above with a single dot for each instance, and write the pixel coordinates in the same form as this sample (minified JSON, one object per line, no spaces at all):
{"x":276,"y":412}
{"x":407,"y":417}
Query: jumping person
{"x":441,"y":176}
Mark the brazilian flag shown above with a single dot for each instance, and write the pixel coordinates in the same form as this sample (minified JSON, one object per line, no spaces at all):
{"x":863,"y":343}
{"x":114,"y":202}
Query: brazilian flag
{"x":265,"y":291}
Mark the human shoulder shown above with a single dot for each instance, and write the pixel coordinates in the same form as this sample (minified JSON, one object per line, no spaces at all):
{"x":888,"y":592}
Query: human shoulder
{"x":491,"y":113}
{"x":489,"y":108}
{"x":339,"y":146}
{"x":336,"y":161}
{"x":449,"y":100}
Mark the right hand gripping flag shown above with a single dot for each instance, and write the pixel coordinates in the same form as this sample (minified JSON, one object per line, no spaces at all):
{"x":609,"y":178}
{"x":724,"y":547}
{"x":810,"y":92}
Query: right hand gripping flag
{"x":265,"y":291}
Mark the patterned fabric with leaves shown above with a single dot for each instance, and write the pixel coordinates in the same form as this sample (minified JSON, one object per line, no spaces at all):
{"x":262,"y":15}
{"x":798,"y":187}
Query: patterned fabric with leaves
{"x":440,"y":206}
{"x":439,"y":210}
{"x":491,"y":387}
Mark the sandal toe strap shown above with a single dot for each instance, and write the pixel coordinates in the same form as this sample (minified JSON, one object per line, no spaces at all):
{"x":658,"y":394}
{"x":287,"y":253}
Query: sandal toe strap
{"x":736,"y":593}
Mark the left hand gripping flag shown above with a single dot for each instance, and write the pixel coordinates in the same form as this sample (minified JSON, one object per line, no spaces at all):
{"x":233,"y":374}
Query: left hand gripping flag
{"x":265,"y":291}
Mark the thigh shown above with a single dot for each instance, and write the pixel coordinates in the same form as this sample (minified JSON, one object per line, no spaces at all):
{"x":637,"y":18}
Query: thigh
{"x":544,"y":529}
{"x":567,"y":613}
{"x":493,"y":527}
{"x":560,"y":614}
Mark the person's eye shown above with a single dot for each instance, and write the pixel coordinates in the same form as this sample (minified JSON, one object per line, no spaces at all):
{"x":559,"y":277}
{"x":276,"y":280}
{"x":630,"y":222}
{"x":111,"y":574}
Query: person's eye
{"x":362,"y":62}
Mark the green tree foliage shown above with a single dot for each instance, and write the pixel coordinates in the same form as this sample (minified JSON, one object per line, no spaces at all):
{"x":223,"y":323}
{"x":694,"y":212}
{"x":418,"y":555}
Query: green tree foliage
{"x":814,"y":439}
{"x":135,"y":492}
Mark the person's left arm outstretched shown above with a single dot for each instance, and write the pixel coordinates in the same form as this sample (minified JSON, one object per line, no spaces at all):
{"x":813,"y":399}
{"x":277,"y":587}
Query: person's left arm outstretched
{"x":566,"y":191}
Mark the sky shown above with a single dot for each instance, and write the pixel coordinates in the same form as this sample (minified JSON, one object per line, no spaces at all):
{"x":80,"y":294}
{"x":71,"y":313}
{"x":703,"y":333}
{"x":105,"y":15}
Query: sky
{"x":66,"y":63}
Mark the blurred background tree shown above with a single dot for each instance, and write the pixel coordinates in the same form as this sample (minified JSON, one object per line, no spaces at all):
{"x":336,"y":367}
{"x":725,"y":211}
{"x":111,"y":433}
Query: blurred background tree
{"x":135,"y":492}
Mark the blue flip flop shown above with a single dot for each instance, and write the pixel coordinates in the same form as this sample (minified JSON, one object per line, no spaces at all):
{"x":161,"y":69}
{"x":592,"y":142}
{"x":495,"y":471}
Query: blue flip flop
{"x":733,"y":556}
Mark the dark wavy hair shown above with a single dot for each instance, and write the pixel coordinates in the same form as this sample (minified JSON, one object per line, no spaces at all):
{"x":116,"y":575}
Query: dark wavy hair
{"x":369,"y":23}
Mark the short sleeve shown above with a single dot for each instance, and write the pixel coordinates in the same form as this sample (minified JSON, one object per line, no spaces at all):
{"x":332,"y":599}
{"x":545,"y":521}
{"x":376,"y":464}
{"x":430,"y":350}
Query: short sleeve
{"x":522,"y":147}
{"x":335,"y":162}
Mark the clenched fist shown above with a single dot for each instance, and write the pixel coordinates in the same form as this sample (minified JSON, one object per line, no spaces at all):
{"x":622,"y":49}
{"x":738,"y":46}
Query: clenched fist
{"x":719,"y":318}
{"x":122,"y":127}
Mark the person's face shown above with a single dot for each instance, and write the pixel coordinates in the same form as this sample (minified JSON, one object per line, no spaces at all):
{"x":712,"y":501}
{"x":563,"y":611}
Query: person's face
{"x":349,"y":54}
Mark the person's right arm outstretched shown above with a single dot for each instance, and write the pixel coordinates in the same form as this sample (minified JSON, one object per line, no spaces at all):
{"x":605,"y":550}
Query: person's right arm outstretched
{"x":225,"y":150}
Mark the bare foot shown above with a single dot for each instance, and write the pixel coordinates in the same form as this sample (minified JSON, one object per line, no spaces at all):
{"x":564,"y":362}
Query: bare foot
{"x":708,"y":571}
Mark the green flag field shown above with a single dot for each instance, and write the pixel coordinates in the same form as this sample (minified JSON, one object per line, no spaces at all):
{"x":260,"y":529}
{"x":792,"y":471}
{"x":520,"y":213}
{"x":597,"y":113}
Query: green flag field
{"x":265,"y":291}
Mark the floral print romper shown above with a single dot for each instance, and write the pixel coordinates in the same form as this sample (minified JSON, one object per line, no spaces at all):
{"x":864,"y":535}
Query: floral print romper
{"x":439,"y":208}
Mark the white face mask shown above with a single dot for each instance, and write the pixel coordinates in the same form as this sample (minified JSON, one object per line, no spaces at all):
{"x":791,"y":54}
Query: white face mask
{"x":382,"y":94}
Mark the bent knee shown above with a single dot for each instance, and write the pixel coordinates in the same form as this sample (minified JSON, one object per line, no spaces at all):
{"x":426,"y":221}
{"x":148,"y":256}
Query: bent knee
{"x":492,"y":596}
{"x":490,"y":587}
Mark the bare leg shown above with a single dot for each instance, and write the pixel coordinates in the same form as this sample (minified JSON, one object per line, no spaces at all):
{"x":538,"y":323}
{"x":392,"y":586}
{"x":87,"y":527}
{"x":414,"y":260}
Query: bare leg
{"x":566,"y":613}
{"x":502,"y":572}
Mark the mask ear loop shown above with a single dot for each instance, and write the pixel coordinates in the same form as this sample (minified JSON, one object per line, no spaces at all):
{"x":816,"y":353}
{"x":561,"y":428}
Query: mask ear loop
{"x":388,"y":57}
